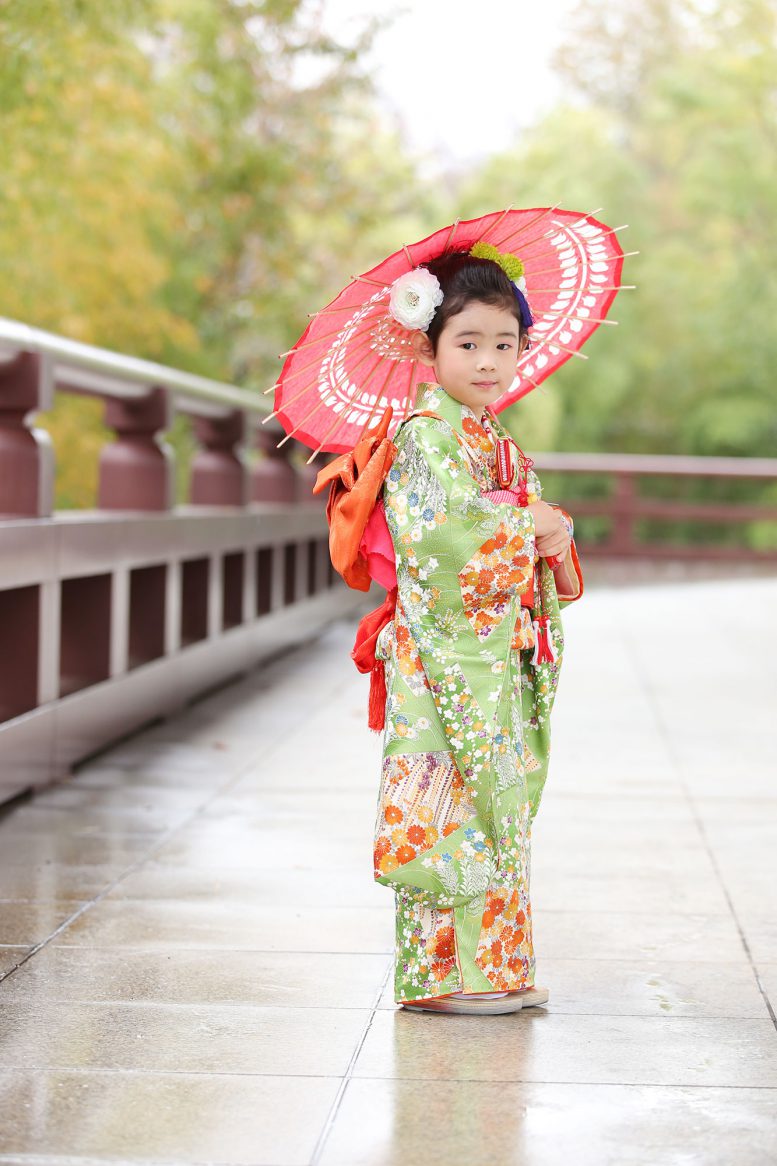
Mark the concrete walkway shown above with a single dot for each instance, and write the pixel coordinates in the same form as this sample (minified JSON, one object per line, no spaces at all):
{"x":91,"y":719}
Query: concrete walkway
{"x":197,"y":956}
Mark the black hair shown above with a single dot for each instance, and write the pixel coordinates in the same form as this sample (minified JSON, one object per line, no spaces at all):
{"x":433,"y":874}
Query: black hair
{"x":465,"y":280}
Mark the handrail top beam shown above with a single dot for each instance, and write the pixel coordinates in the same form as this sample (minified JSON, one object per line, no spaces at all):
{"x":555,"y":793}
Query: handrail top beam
{"x":90,"y":369}
{"x":676,"y":465}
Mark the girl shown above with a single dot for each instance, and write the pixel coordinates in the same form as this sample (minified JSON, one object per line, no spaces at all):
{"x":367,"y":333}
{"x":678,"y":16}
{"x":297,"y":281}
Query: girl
{"x":466,"y":740}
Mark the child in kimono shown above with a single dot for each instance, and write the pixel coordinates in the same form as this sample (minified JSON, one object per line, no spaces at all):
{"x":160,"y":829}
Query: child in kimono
{"x":465,"y":748}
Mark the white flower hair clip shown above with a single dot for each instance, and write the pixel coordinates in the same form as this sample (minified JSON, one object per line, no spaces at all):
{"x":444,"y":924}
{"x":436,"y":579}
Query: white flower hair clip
{"x":415,"y":297}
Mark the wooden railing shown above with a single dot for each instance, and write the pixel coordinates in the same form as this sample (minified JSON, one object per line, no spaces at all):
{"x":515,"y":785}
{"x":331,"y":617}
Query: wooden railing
{"x":136,"y":470}
{"x":624,"y":507}
{"x":113,"y":617}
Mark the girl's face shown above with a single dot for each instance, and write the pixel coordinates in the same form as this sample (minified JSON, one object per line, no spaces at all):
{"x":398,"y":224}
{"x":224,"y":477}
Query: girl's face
{"x":477,"y":354}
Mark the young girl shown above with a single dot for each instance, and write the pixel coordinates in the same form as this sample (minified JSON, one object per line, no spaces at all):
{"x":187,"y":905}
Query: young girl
{"x":466,"y":740}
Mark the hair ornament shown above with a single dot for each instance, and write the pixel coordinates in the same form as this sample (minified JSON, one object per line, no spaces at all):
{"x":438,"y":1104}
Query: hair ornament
{"x":526,"y":317}
{"x":415,"y":297}
{"x":510,"y":264}
{"x":513,"y":268}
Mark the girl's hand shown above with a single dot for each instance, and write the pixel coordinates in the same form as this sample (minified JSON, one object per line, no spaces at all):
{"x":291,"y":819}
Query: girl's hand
{"x":552,"y":536}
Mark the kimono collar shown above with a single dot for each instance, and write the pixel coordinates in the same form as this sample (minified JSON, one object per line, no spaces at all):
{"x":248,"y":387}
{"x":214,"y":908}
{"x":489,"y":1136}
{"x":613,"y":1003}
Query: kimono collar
{"x":435,"y":398}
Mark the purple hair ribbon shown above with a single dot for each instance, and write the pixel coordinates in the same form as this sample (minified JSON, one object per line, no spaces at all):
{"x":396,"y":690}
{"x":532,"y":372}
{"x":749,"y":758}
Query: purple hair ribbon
{"x":526,"y":316}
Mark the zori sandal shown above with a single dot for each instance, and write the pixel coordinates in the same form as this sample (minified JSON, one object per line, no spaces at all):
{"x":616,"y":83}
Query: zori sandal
{"x":482,"y":1004}
{"x":462,"y":1004}
{"x":531,"y":996}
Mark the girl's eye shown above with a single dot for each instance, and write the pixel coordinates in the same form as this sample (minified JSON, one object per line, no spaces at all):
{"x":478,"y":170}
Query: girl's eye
{"x":469,"y":344}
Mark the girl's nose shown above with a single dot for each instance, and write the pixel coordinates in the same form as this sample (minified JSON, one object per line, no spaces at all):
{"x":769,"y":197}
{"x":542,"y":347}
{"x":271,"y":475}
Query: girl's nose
{"x":486,"y":360}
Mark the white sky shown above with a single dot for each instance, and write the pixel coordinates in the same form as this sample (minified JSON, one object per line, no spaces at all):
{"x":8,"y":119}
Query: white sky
{"x":487,"y":60}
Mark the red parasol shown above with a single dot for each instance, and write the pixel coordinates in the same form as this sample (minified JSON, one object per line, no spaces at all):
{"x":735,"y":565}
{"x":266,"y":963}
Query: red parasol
{"x":354,"y":359}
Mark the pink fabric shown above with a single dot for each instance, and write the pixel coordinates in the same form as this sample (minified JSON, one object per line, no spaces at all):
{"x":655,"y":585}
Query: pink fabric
{"x":378,"y":549}
{"x":511,"y":496}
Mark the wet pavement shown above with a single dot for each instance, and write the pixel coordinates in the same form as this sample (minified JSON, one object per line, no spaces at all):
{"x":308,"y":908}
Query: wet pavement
{"x":197,"y":958}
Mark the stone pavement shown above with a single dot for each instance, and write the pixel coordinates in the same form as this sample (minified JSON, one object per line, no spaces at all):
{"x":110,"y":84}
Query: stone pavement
{"x":198,"y":958}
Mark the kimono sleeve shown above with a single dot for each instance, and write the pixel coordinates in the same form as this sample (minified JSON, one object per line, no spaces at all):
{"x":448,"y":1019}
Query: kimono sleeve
{"x":571,"y":562}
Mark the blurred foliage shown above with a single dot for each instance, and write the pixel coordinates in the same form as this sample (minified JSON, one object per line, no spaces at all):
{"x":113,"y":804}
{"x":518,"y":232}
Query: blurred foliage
{"x":671,"y":126}
{"x":184,"y":180}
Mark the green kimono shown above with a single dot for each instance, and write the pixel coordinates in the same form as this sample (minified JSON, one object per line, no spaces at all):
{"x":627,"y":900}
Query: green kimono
{"x":466,"y":741}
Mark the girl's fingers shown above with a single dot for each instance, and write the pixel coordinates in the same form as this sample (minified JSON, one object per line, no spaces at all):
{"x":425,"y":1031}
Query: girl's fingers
{"x":553,"y":544}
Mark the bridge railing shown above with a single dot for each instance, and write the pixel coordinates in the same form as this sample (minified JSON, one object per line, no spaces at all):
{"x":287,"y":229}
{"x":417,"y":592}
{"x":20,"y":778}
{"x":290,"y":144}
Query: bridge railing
{"x":113,"y":617}
{"x":718,"y":519}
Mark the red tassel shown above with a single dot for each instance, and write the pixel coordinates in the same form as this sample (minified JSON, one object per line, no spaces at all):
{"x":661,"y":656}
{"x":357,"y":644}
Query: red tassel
{"x":544,"y":648}
{"x":504,"y":462}
{"x":363,"y":656}
{"x":377,"y":706}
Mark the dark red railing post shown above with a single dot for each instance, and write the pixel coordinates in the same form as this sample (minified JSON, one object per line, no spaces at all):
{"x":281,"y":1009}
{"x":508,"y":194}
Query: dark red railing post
{"x":273,"y":478}
{"x":137,"y":469}
{"x":26,"y":455}
{"x":219,"y":476}
{"x":621,"y":540}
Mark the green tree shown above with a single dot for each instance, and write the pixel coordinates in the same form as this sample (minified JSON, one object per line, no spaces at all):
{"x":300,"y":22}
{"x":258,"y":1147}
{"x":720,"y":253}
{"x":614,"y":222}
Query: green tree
{"x":671,"y":126}
{"x":185,"y":180}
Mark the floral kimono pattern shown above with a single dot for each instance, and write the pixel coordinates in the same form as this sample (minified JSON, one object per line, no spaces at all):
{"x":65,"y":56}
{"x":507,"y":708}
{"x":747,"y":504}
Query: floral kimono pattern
{"x":466,"y":741}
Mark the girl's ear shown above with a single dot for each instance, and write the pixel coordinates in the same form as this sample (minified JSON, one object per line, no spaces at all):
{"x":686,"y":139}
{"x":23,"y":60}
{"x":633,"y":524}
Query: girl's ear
{"x":422,"y":348}
{"x":522,"y":345}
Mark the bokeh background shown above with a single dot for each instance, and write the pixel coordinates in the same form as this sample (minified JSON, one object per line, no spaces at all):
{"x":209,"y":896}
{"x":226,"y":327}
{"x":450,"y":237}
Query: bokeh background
{"x":185,"y":180}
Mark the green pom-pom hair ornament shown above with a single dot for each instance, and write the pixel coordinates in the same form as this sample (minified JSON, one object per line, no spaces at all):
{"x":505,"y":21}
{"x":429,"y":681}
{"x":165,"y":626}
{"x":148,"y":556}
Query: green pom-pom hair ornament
{"x":510,"y":264}
{"x":513,"y":269}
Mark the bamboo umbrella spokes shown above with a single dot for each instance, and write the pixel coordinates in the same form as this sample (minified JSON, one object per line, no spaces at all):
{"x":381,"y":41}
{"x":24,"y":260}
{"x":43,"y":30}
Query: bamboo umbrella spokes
{"x":318,"y":340}
{"x":306,"y":389}
{"x":516,"y":234}
{"x":341,"y":420}
{"x":550,"y":342}
{"x":575,"y":316}
{"x":322,"y":400}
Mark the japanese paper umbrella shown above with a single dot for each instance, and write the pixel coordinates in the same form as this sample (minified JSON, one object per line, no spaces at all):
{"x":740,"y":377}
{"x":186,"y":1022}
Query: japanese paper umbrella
{"x":354,"y":359}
